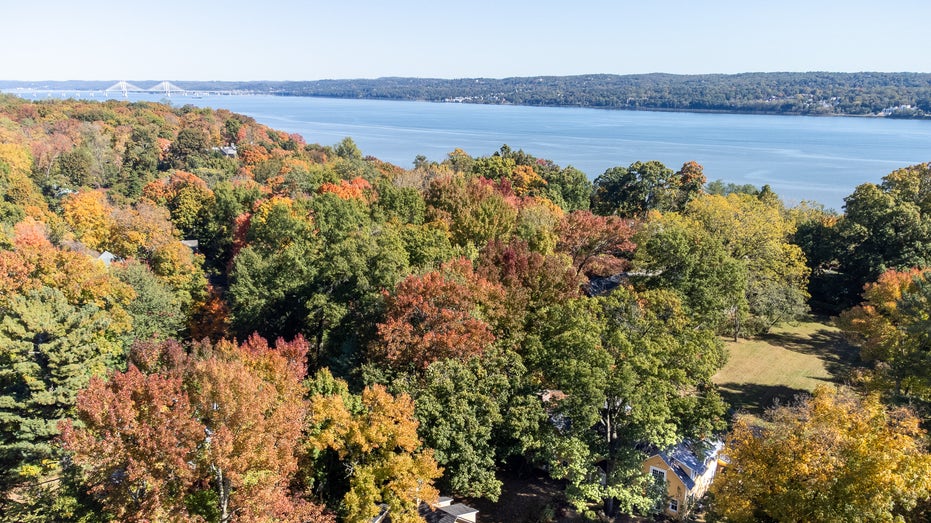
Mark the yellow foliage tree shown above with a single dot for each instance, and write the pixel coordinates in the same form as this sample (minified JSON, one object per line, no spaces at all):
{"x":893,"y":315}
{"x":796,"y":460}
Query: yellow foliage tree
{"x":90,"y":215}
{"x":836,"y":456}
{"x":19,"y":196}
{"x":375,"y":437}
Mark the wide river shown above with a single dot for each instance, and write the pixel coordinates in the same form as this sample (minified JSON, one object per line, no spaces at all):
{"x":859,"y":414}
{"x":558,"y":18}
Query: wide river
{"x":802,"y":158}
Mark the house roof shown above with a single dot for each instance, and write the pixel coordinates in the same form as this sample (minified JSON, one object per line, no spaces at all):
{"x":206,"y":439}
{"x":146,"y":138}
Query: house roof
{"x":107,"y":257}
{"x":600,"y":285}
{"x":445,"y":514}
{"x":459,"y":509}
{"x":695,"y":456}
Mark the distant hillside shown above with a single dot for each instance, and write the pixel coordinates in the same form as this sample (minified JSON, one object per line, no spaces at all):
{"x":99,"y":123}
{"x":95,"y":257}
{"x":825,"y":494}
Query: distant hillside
{"x":899,"y":95}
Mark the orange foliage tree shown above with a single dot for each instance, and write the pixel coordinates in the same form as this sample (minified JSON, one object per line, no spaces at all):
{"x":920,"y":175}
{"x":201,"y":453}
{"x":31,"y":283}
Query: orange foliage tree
{"x":226,"y":416}
{"x":357,"y":188}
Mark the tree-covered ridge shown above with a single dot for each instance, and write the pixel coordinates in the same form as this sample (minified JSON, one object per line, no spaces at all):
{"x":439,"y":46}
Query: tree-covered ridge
{"x":816,"y":93}
{"x":350,"y":335}
{"x":899,"y":95}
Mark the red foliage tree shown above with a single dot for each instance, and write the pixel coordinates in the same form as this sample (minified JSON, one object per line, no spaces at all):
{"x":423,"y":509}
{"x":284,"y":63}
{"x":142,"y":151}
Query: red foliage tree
{"x":438,"y":315}
{"x":597,"y":244}
{"x":137,"y":443}
{"x":530,"y":278}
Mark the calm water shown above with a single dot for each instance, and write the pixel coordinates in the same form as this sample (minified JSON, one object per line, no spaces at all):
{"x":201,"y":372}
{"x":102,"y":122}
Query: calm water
{"x":809,"y":158}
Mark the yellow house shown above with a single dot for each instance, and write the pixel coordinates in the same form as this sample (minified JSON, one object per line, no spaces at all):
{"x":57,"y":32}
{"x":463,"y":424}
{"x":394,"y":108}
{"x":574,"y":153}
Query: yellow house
{"x":687,"y":469}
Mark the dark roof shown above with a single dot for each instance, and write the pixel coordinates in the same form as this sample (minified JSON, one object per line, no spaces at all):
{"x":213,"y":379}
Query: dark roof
{"x":447,"y":514}
{"x":598,"y":285}
{"x":459,"y":509}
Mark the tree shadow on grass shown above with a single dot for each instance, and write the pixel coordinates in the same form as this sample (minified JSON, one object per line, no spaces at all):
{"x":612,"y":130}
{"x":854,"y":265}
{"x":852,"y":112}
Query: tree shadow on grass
{"x":829,"y":346}
{"x":754,"y":398}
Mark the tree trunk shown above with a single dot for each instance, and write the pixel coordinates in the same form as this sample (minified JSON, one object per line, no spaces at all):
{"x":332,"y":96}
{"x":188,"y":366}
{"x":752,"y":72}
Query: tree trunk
{"x":223,"y":495}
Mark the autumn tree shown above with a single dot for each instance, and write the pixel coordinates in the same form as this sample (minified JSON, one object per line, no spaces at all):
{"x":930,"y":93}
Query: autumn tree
{"x":137,"y":444}
{"x":835,"y":456}
{"x":187,"y":198}
{"x":20,"y":195}
{"x":89,"y":214}
{"x":441,"y":314}
{"x":598,"y":245}
{"x":371,"y":443}
{"x":891,"y":329}
{"x":212,"y":431}
{"x":250,"y":401}
{"x":34,"y":262}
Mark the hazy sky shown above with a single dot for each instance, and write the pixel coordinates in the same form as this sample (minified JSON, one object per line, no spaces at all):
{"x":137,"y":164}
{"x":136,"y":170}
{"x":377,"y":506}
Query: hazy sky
{"x":310,"y":40}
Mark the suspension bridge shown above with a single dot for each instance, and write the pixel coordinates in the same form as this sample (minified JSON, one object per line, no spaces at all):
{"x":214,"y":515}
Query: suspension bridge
{"x":125,"y":88}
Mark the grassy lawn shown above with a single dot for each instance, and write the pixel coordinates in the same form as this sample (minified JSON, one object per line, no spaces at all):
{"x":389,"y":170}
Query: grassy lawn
{"x":789,"y":360}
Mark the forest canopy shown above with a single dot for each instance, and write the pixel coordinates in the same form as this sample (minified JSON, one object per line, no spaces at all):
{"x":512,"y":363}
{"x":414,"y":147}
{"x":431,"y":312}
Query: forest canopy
{"x":205,"y":319}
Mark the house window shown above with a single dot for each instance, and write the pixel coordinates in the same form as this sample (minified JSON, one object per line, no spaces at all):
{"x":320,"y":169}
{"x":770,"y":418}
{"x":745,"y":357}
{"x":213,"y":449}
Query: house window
{"x":659,"y":475}
{"x":674,"y":505}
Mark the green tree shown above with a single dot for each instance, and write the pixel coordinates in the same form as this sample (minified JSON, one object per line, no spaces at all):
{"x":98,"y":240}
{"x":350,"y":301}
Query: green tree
{"x":348,"y":150}
{"x":475,"y":414}
{"x":569,"y":188}
{"x":633,"y":191}
{"x":881,"y":230}
{"x":156,"y":312}
{"x":49,"y":349}
{"x":677,"y":252}
{"x":188,"y":148}
{"x":622,"y":370}
{"x":755,"y":234}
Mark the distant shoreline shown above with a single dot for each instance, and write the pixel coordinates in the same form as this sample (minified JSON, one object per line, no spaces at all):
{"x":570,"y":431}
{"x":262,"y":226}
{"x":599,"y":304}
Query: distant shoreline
{"x":384,"y":99}
{"x":642,"y":109}
{"x":870,"y":94}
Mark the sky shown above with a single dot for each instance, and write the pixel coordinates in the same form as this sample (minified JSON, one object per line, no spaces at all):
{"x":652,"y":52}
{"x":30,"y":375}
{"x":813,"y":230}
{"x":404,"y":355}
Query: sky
{"x":312,"y":39}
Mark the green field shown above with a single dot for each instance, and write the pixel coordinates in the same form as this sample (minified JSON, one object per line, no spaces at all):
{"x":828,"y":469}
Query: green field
{"x":790,"y":360}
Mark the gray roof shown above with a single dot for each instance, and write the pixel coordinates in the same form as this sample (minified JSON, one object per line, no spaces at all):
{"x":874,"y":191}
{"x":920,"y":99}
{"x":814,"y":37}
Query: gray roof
{"x":447,"y":514}
{"x":107,"y":257}
{"x":459,"y":509}
{"x":695,"y":456}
